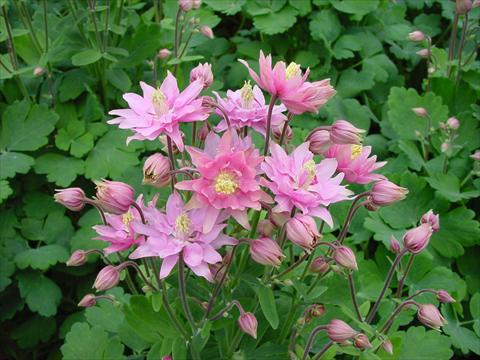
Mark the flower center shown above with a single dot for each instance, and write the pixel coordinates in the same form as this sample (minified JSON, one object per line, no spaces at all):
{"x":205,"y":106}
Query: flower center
{"x":247,"y":95}
{"x":293,"y":70}
{"x":311,"y":169}
{"x":159,"y":102}
{"x":182,"y":223}
{"x":225,"y":183}
{"x":356,"y":151}
{"x":127,"y":217}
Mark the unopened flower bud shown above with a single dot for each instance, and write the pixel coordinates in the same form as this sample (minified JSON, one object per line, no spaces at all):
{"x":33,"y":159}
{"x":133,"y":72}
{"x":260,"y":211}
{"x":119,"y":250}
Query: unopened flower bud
{"x":71,"y":198}
{"x":277,"y":133}
{"x":266,"y":251}
{"x":202,"y":72}
{"x":203,"y":132}
{"x":38,"y":71}
{"x":361,"y":342}
{"x":339,"y":331}
{"x":248,"y":324}
{"x":476,"y":155}
{"x":206,"y":31}
{"x":278,"y":218}
{"x":416,"y":36}
{"x":185,"y":5}
{"x":196,"y":4}
{"x":395,"y":245}
{"x":343,"y":132}
{"x":420,"y":111}
{"x":453,"y":123}
{"x":319,"y":141}
{"x":444,"y":147}
{"x":265,"y":227}
{"x":88,"y":300}
{"x":432,"y":219}
{"x":107,"y":278}
{"x":164,"y":53}
{"x":345,"y":257}
{"x":114,"y":196}
{"x":314,"y":311}
{"x":385,"y":193}
{"x":319,"y":265}
{"x":442,"y":125}
{"x":416,"y":239}
{"x":423,"y":53}
{"x":78,"y":258}
{"x":156,"y":171}
{"x":387,"y":346}
{"x":429,"y":315}
{"x":302,"y":230}
{"x":463,"y":6}
{"x":444,"y":297}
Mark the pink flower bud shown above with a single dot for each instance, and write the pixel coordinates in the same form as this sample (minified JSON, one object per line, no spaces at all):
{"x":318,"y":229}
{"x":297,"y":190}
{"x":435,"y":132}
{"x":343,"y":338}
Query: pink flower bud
{"x":277,"y":133}
{"x":265,"y":251}
{"x":185,"y":5}
{"x":196,"y":4}
{"x":302,"y":230}
{"x":476,"y":155}
{"x":114,"y":196}
{"x":78,"y":258}
{"x":423,"y":53}
{"x":164,"y":53}
{"x":107,"y":278}
{"x":202,"y":72}
{"x":395,"y":245}
{"x":38,"y":71}
{"x":416,"y":36}
{"x":203,"y":132}
{"x":385,"y":193}
{"x":343,"y":132}
{"x":444,"y":297}
{"x":319,"y":141}
{"x":416,"y":239}
{"x":432,"y":219}
{"x":387,"y":346}
{"x":361,"y":342}
{"x":248,"y":324}
{"x":265,"y":227}
{"x":167,"y":357}
{"x":463,"y":6}
{"x":345,"y":257}
{"x":88,"y":300}
{"x":71,"y":198}
{"x":453,"y":123}
{"x":319,"y":265}
{"x":444,"y":147}
{"x":314,"y":311}
{"x":206,"y":31}
{"x":218,"y":270}
{"x":156,"y":171}
{"x":419,"y":111}
{"x":339,"y":331}
{"x":279,"y":218}
{"x":429,"y":315}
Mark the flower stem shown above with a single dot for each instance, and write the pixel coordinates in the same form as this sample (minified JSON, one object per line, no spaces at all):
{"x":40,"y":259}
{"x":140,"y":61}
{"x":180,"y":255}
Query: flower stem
{"x":183,"y":293}
{"x":172,"y":160}
{"x":291,"y":267}
{"x":324,"y":350}
{"x":404,"y":276}
{"x":351,"y":212}
{"x":140,"y":272}
{"x":175,"y":40}
{"x":392,"y":317}
{"x":451,"y":48}
{"x":170,"y":312}
{"x":420,"y":292}
{"x":311,"y":338}
{"x":460,"y":47}
{"x":284,"y":129}
{"x":269,"y":125}
{"x":354,"y":296}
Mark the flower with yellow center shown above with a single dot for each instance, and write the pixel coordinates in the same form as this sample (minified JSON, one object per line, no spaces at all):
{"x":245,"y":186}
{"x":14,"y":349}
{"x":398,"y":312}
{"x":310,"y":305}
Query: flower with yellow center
{"x":356,"y":151}
{"x":225,"y":183}
{"x":127,"y":217}
{"x":159,"y":102}
{"x":182,"y":223}
{"x":311,"y":168}
{"x":246,"y":93}
{"x":292,"y":70}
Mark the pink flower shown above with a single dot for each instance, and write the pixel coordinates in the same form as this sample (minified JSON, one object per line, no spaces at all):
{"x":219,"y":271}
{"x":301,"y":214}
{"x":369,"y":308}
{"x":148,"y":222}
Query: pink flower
{"x":361,"y":342}
{"x":429,"y":316}
{"x":302,"y":231}
{"x":72,"y":198}
{"x":476,"y":155}
{"x":319,"y":141}
{"x":354,"y":162}
{"x":88,"y":300}
{"x":180,"y":231}
{"x":156,"y":170}
{"x":342,"y":132}
{"x":444,"y":297}
{"x":420,"y":111}
{"x":319,"y":265}
{"x":229,"y":181}
{"x":290,"y":85}
{"x":107,"y":278}
{"x":345,"y":257}
{"x":417,"y":239}
{"x":266,"y":251}
{"x":159,"y":111}
{"x":340,"y":331}
{"x":432,"y":219}
{"x":207,"y":31}
{"x":387,"y":346}
{"x":453,"y":123}
{"x":202,"y":72}
{"x":114,"y":196}
{"x":247,"y":322}
{"x":385,"y":193}
{"x":78,"y":258}
{"x":246,"y":108}
{"x":297,"y":181}
{"x":416,"y":36}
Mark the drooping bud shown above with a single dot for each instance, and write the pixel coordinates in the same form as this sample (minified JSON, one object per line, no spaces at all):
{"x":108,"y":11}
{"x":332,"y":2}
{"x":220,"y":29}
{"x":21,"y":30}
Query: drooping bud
{"x":423,"y":53}
{"x":463,"y":6}
{"x":302,"y":230}
{"x":265,"y":227}
{"x":156,"y":171}
{"x":319,"y":141}
{"x":164,"y":53}
{"x":432,"y":219}
{"x":429,"y":315}
{"x":202,"y":72}
{"x":277,"y":133}
{"x":88,"y":300}
{"x":203,"y":132}
{"x":207,"y":31}
{"x":114,"y":196}
{"x":278,"y":218}
{"x":445,"y":146}
{"x":340,"y":331}
{"x":416,"y":36}
{"x":345,"y":257}
{"x":71,"y":198}
{"x":387,"y":346}
{"x":107,"y":278}
{"x":185,"y":5}
{"x":453,"y":123}
{"x":248,"y":324}
{"x":385,"y":193}
{"x":417,"y":239}
{"x":78,"y":258}
{"x":319,"y":265}
{"x":314,"y":311}
{"x":361,"y":342}
{"x":266,"y":251}
{"x":444,"y":297}
{"x":196,"y":4}
{"x":476,"y":155}
{"x":419,"y":111}
{"x":394,"y":245}
{"x":38,"y":71}
{"x":343,"y":132}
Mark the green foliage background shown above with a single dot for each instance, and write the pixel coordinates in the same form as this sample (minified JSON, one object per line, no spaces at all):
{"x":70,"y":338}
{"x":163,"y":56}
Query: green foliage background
{"x":54,"y":135}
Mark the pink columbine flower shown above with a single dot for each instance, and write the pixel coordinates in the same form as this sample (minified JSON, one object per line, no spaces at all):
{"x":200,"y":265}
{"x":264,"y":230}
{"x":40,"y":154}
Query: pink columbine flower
{"x":180,"y":231}
{"x":229,"y":178}
{"x":319,"y":265}
{"x":432,"y":219}
{"x":78,"y":258}
{"x":202,"y":72}
{"x":207,"y":31}
{"x":429,"y":315}
{"x":453,"y":123}
{"x":395,"y":245}
{"x":476,"y":155}
{"x":246,"y":108}
{"x":319,"y":141}
{"x":361,"y":342}
{"x":159,"y":111}
{"x":164,"y":53}
{"x":290,"y":85}
{"x":156,"y":171}
{"x":114,"y":196}
{"x":354,"y":162}
{"x":444,"y":297}
{"x":416,"y":36}
{"x":385,"y":193}
{"x":266,"y":251}
{"x":302,"y":230}
{"x":107,"y":278}
{"x":387,"y":346}
{"x":297,"y":181}
{"x":247,"y":322}
{"x":344,"y":256}
{"x":72,"y":198}
{"x":88,"y":300}
{"x":340,"y":331}
{"x":417,"y":239}
{"x":343,"y":132}
{"x":420,"y":111}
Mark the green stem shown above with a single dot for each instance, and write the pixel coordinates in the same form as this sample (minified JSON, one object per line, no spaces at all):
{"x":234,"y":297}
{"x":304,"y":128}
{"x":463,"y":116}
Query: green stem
{"x":405,"y":273}
{"x":170,"y":312}
{"x":353,"y":294}
{"x":310,"y":340}
{"x":324,"y":350}
{"x":183,"y":293}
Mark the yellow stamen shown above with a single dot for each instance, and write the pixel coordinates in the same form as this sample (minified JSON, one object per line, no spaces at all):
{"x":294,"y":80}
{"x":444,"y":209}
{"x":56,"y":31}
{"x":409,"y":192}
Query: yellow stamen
{"x":356,"y":151}
{"x":311,"y":168}
{"x":182,"y":223}
{"x":225,"y":183}
{"x":247,"y":95}
{"x":292,"y":70}
{"x":127,"y":217}
{"x":159,"y":102}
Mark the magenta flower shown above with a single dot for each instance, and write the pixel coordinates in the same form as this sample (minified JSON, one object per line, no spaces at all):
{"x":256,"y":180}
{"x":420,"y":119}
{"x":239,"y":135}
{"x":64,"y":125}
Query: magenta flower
{"x":246,"y":108}
{"x":229,"y":181}
{"x":180,"y":231}
{"x":290,"y":85}
{"x":159,"y":111}
{"x":297,"y":181}
{"x":354,"y":162}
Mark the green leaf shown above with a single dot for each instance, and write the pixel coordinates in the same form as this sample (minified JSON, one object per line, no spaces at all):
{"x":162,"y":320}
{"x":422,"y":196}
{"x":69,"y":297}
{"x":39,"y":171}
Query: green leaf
{"x":358,"y":8}
{"x":475,"y":311}
{"x":422,"y":344}
{"x":267,"y":303}
{"x":85,"y":342}
{"x":33,"y":331}
{"x":184,"y":59}
{"x":41,"y":258}
{"x":105,"y":315}
{"x":349,"y":109}
{"x":325,"y":26}
{"x":5,"y":190}
{"x":442,"y":278}
{"x":276,"y":22}
{"x":12,"y":163}
{"x":7,"y":268}
{"x":41,"y":294}
{"x":60,"y":169}
{"x":410,"y":149}
{"x":448,"y":185}
{"x":353,"y":82}
{"x":119,"y":79}
{"x":55,"y":228}
{"x":86,"y":57}
{"x":346,"y":45}
{"x":228,"y":7}
{"x":25,"y":127}
{"x":462,"y":338}
{"x":73,"y":84}
{"x":74,"y":138}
